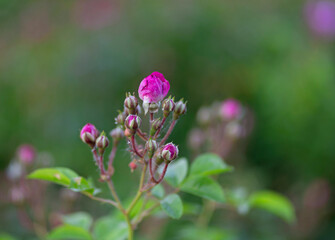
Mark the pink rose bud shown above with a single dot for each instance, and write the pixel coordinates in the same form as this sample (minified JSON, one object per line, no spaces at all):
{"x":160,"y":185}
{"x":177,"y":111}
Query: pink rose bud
{"x":168,"y":106}
{"x":169,"y":152}
{"x":130,"y":103}
{"x":132,"y":166}
{"x":133,"y":122}
{"x":26,"y":153}
{"x":180,"y":109}
{"x":89,"y":134}
{"x":102,"y":141}
{"x":153,"y":88}
{"x":231,"y":109}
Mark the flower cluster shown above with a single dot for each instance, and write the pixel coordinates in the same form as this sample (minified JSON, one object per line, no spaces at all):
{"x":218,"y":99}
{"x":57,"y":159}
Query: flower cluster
{"x":220,"y":126}
{"x":153,"y":151}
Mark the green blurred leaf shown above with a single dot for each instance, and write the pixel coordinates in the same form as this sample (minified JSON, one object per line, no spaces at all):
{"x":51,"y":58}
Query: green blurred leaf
{"x":172,"y":206}
{"x":176,"y":172}
{"x":79,"y":219}
{"x":67,"y":232}
{"x":208,"y":164}
{"x":273,"y":203}
{"x":60,"y":175}
{"x":193,"y":233}
{"x":158,"y":191}
{"x":5,"y":236}
{"x":110,"y":228}
{"x":203,"y":187}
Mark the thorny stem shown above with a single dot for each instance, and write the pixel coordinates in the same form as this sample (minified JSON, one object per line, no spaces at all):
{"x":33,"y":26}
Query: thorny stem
{"x":133,"y":143}
{"x":168,"y":132}
{"x":139,"y":191}
{"x":153,"y":174}
{"x":160,"y":127}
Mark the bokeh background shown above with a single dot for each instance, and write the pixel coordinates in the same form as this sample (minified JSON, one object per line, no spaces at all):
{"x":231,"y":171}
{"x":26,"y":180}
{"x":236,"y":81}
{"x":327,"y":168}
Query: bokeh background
{"x":66,"y":63}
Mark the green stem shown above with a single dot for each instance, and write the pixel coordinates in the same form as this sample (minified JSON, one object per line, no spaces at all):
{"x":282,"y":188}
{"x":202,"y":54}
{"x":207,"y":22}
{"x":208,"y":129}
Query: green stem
{"x":139,"y":191}
{"x":206,"y":214}
{"x":124,"y":212}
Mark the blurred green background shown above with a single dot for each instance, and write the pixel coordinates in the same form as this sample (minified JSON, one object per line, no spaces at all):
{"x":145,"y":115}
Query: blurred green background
{"x":66,"y":63}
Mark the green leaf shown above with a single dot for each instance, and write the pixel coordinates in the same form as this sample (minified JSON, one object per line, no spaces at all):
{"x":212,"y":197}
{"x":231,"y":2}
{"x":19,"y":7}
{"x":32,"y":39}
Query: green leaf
{"x":109,"y":228}
{"x":60,"y":176}
{"x":176,"y":172}
{"x":208,"y":164}
{"x":274,"y":203}
{"x":67,"y":232}
{"x":5,"y":236}
{"x":158,"y":191}
{"x":172,"y":206}
{"x":80,"y":184}
{"x":203,"y":187}
{"x":79,"y":219}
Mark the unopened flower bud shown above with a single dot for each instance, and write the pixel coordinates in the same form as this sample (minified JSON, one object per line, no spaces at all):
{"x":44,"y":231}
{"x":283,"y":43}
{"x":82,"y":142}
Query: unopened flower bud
{"x":117,"y":134}
{"x":155,"y":125}
{"x":130,"y":103}
{"x":231,"y":109}
{"x":26,"y":153}
{"x":179,"y":109}
{"x":89,"y":134}
{"x":169,"y":152}
{"x":132,"y":166}
{"x":121,"y":117}
{"x":168,"y":106}
{"x":133,"y":122}
{"x":153,"y":88}
{"x":102,"y":142}
{"x":151,"y":146}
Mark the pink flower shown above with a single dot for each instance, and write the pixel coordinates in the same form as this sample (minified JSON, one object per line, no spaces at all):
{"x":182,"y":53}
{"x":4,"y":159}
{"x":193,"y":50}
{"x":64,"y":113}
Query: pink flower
{"x":230,"y":109}
{"x":170,"y":152}
{"x":320,"y":17}
{"x":153,"y":88}
{"x":26,"y":153}
{"x":89,"y":134}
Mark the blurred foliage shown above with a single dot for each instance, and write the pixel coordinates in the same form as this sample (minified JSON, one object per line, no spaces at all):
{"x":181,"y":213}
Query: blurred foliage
{"x":66,"y":63}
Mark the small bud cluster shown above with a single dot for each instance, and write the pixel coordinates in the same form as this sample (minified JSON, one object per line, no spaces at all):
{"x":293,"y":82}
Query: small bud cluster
{"x":152,"y":91}
{"x":227,"y":119}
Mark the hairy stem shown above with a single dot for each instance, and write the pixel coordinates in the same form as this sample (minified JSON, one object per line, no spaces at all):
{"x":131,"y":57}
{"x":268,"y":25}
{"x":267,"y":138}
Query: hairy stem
{"x":111,"y":159}
{"x":168,"y":132}
{"x":153,"y":174}
{"x":141,"y":134}
{"x":133,"y":143}
{"x":160,"y":127}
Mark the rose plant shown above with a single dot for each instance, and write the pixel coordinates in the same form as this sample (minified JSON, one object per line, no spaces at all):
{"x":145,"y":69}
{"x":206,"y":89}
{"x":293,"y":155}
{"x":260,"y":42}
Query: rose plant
{"x":156,"y":160}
